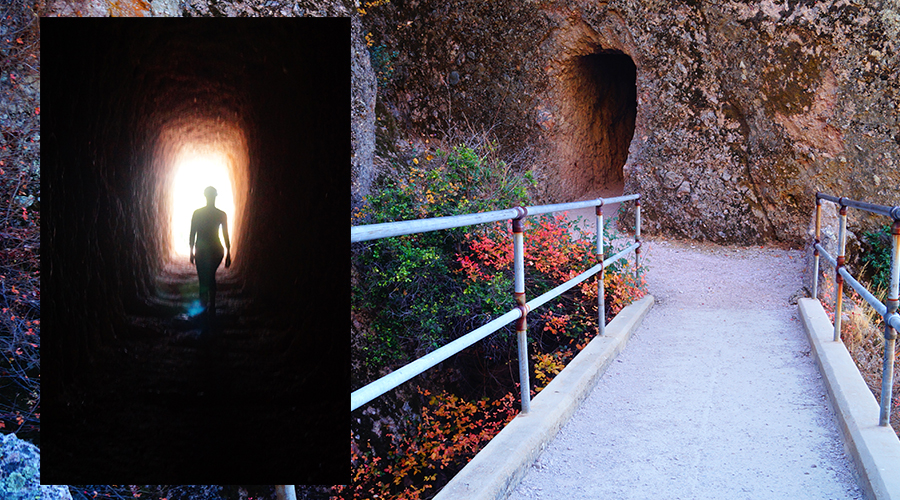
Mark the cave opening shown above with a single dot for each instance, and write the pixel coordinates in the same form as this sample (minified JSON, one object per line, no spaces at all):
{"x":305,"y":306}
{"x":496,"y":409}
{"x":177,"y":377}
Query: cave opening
{"x":602,"y":109}
{"x":218,"y":158}
{"x":138,"y":119}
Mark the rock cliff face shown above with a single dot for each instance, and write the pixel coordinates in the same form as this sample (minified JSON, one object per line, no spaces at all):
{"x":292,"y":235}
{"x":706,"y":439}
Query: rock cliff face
{"x":20,"y":472}
{"x":726,"y":117}
{"x":362,"y":115}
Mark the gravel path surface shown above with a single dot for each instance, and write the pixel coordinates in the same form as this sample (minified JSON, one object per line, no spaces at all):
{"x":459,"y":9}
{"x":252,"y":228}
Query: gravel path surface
{"x":715,"y":396}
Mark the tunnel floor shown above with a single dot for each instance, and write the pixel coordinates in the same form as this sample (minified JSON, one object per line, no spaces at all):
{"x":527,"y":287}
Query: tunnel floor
{"x":172,"y":396}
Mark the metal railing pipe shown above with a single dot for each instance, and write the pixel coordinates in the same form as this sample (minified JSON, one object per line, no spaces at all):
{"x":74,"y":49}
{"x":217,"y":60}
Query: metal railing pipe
{"x":388,"y":229}
{"x":839,"y":278}
{"x":824,"y":253}
{"x":378,"y":387}
{"x":892,"y":212}
{"x":856,"y":285}
{"x":890,"y":333}
{"x":637,"y":237}
{"x":863,"y":291}
{"x":601,"y":285}
{"x":887,"y":310}
{"x":815,"y":283}
{"x":894,"y":321}
{"x":559,"y":207}
{"x":517,"y":215}
{"x":521,"y":324}
{"x":568,"y":285}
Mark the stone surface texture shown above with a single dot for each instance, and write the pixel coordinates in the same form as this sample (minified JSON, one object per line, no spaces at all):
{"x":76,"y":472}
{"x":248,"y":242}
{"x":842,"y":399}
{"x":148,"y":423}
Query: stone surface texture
{"x":195,"y":8}
{"x":743,"y":109}
{"x":362,"y":114}
{"x":20,"y":472}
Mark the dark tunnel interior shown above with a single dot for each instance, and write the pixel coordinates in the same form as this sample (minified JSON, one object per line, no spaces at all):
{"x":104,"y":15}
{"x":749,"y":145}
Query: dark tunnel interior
{"x":136,"y":387}
{"x":606,"y":85}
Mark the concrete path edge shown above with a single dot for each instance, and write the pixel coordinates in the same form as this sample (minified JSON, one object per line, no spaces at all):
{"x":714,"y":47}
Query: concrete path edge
{"x":500,"y":466}
{"x":875,"y":450}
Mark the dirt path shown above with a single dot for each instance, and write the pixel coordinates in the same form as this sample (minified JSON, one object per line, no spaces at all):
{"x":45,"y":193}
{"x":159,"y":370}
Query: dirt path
{"x":715,"y":396}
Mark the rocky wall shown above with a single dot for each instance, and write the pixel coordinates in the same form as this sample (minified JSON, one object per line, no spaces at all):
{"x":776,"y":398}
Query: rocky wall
{"x":743,"y":109}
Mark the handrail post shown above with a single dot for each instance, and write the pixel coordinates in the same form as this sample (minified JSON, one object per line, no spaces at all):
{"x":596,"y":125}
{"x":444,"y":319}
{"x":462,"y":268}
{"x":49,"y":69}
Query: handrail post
{"x":815,"y":283}
{"x":839,"y":280}
{"x":890,"y":335}
{"x":601,"y":288}
{"x":519,"y":292}
{"x":637,"y":238}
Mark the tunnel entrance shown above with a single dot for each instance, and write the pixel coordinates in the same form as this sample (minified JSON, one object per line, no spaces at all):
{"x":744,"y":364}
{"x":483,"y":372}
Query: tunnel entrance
{"x":600,"y":107}
{"x":199,"y":154}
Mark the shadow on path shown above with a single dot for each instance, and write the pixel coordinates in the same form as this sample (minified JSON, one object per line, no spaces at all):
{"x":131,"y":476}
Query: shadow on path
{"x":175,"y":397}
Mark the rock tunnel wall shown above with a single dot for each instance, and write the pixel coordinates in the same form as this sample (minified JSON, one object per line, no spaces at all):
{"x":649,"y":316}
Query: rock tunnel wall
{"x":597,"y":116}
{"x":121,"y":100}
{"x":743,"y":109}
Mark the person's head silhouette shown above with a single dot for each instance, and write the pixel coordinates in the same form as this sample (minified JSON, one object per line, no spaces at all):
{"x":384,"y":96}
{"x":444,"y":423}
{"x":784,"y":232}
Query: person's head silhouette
{"x":210,"y":194}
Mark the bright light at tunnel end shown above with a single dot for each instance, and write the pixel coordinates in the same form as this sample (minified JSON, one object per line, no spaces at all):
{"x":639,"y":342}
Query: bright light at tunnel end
{"x":193,"y":173}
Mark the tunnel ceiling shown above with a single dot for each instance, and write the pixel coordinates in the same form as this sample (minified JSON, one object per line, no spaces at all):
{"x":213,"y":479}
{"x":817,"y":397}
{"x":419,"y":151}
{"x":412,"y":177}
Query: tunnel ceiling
{"x":123,"y":101}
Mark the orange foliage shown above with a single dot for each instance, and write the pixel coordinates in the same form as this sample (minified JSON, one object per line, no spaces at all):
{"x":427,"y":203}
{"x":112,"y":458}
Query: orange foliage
{"x":547,"y":366}
{"x":128,"y":8}
{"x":449,"y":433}
{"x":549,"y":250}
{"x":622,"y":288}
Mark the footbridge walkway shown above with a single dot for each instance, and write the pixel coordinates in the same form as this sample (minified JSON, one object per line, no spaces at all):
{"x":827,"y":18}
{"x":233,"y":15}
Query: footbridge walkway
{"x":721,"y":383}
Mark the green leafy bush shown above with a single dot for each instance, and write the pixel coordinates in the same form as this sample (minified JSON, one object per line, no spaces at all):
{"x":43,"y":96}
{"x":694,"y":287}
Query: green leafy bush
{"x":878,"y":257}
{"x":410,"y":285}
{"x":383,"y":61}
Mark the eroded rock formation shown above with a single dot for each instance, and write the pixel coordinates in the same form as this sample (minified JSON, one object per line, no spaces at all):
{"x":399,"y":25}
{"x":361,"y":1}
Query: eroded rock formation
{"x":740,"y":110}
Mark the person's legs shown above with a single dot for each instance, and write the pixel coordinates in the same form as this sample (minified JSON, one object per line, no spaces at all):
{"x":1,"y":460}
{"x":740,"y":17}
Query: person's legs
{"x":206,"y":271}
{"x":205,"y":277}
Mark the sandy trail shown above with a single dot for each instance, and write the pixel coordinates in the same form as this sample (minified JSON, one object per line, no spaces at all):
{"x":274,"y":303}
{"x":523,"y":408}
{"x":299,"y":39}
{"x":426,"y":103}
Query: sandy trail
{"x":715,"y":396}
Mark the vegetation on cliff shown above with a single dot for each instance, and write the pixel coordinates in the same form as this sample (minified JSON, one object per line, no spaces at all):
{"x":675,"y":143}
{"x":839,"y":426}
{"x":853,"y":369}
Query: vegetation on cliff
{"x":20,"y":219}
{"x":414,"y":293}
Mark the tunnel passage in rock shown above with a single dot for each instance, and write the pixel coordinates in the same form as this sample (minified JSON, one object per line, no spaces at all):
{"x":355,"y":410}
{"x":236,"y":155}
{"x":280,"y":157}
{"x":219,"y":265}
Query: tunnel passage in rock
{"x":133,"y":386}
{"x":600,"y":108}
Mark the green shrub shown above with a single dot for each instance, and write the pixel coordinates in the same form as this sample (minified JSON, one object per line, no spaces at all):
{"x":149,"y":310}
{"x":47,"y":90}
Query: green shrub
{"x":410,"y":285}
{"x":877,"y":259}
{"x":383,"y":61}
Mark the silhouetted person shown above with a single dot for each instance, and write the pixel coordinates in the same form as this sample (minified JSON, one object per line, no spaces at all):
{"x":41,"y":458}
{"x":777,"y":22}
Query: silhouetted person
{"x":208,"y":255}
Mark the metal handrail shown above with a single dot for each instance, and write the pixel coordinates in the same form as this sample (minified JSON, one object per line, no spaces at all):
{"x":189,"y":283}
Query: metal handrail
{"x":388,"y":382}
{"x":892,"y":212}
{"x":387,"y":229}
{"x":887,"y":310}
